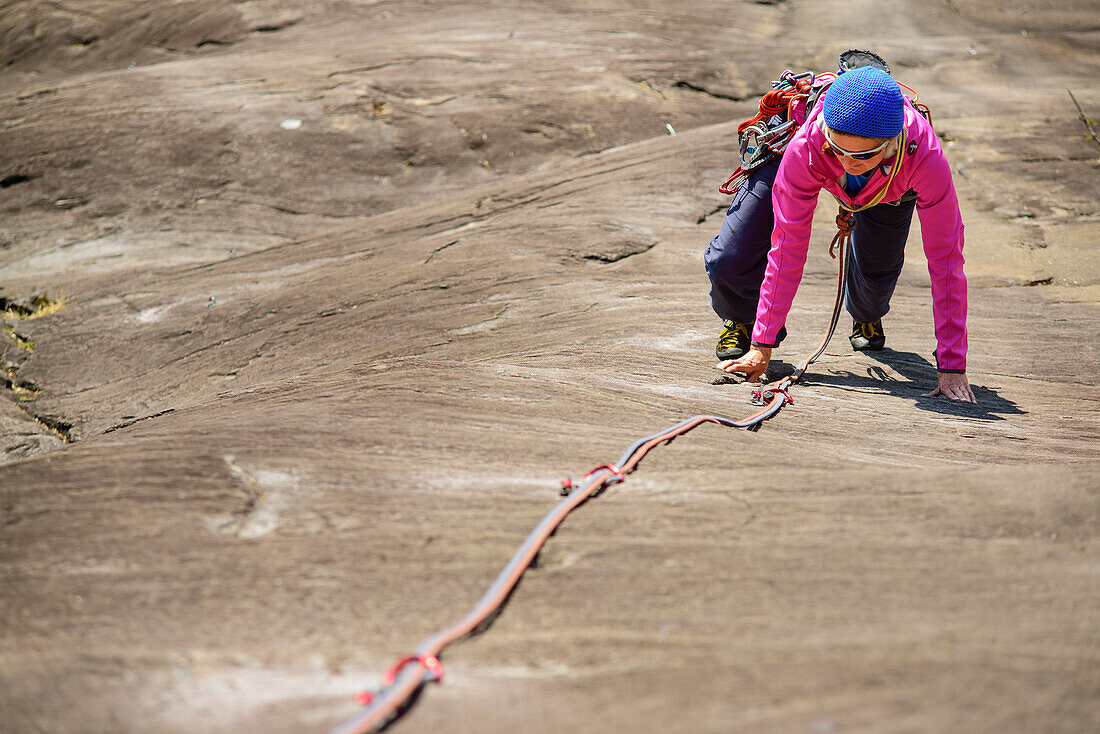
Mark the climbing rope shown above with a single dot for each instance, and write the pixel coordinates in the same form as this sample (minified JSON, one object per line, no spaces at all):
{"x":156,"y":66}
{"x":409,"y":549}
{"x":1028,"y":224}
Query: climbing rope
{"x":410,"y":673}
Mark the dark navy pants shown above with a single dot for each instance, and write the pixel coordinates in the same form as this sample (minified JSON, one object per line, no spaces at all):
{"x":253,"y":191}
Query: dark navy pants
{"x":738,"y":255}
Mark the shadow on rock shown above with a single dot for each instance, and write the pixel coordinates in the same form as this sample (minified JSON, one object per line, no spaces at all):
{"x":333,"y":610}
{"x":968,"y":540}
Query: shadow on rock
{"x":919,"y":378}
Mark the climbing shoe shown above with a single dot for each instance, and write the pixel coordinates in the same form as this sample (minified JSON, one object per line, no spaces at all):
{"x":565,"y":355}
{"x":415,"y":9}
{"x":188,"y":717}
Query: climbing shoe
{"x":867,"y":336}
{"x":734,"y":340}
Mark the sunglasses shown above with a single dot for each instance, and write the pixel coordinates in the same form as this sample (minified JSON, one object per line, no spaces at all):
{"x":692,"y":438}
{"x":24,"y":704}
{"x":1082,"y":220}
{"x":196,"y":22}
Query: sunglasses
{"x":855,"y":155}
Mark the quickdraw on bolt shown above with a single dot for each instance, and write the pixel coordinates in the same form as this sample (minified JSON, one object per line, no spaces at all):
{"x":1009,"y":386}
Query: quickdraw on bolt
{"x":609,"y":467}
{"x":431,"y":662}
{"x":761,"y":396}
{"x":568,"y":485}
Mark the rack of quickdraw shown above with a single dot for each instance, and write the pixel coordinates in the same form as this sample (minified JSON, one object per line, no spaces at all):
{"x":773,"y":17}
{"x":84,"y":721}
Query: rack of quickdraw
{"x":766,"y":135}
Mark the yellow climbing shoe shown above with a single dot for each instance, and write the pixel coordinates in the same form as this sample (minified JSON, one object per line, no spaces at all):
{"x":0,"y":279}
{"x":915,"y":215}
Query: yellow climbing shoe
{"x":867,"y":336}
{"x":734,"y":340}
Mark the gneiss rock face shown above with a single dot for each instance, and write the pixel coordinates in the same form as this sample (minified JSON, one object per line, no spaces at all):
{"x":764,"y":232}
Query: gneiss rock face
{"x":280,"y":398}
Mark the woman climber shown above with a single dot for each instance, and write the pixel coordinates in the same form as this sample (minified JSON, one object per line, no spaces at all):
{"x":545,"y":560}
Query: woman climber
{"x":866,"y":144}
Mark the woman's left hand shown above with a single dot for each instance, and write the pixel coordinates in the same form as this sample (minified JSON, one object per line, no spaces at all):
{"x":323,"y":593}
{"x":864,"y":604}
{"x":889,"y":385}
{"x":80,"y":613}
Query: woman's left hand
{"x":953,"y":386}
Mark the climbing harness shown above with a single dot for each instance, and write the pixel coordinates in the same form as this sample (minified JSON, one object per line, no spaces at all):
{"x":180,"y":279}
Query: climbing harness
{"x":846,"y":215}
{"x":405,"y":679}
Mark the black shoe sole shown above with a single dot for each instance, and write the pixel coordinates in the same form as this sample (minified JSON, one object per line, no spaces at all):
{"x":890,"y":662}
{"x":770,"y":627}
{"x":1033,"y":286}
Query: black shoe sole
{"x":865,"y":345}
{"x":725,"y":354}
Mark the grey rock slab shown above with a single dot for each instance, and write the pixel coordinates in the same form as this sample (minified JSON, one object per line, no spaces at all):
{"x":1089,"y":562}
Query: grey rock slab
{"x":319,"y":383}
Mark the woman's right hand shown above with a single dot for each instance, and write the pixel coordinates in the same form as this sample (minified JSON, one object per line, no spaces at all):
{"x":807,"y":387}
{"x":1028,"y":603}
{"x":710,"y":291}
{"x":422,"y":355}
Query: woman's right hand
{"x":754,"y":363}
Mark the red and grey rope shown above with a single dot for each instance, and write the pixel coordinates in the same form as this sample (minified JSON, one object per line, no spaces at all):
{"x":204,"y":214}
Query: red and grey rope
{"x":406,"y":677}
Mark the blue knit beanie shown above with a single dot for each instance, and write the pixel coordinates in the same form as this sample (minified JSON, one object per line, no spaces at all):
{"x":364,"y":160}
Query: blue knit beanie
{"x":866,"y":102}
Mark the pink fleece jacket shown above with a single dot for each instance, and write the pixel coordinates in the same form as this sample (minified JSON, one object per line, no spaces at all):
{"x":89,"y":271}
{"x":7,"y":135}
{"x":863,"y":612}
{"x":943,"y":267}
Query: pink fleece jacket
{"x":805,"y":170}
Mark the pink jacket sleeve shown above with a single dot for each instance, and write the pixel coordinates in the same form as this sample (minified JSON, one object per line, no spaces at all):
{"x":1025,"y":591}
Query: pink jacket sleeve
{"x":794,"y":198}
{"x":942,"y":230}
